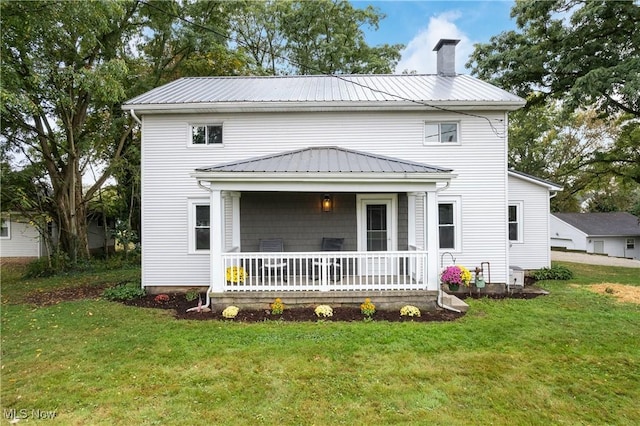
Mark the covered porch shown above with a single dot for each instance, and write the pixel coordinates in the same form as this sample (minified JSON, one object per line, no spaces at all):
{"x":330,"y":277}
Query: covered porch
{"x":384,"y":209}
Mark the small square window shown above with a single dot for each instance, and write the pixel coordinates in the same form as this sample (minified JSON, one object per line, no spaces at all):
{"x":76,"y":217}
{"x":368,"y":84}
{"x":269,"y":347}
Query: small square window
{"x":441,"y":133}
{"x":206,"y":135}
{"x":4,"y":228}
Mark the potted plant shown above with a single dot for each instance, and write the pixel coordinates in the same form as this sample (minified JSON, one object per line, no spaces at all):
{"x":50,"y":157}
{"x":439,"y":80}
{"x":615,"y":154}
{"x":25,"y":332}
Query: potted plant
{"x":235,"y":274}
{"x":455,"y":276}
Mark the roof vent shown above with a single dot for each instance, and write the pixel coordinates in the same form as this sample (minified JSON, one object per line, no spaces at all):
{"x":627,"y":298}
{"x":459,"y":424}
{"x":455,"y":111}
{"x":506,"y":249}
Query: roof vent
{"x":446,"y":49}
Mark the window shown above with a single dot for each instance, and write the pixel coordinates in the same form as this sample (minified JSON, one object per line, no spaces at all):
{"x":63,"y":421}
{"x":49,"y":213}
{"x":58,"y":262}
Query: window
{"x":446,"y":226}
{"x":206,"y":135}
{"x":199,"y":226}
{"x":631,"y":243}
{"x":4,"y":228}
{"x":515,"y":222}
{"x":441,"y":133}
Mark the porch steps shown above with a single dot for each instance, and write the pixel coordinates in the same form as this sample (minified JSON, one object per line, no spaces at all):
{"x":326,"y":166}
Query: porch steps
{"x":453,"y":302}
{"x":390,"y":299}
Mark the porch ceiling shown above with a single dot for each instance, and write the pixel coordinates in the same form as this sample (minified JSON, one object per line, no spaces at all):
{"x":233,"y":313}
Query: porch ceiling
{"x":328,"y":166}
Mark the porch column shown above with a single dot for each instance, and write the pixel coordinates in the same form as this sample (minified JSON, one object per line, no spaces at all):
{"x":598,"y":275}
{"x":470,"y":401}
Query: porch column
{"x":235,"y":220}
{"x":217,"y":241}
{"x":433,"y":274}
{"x":411,"y":218}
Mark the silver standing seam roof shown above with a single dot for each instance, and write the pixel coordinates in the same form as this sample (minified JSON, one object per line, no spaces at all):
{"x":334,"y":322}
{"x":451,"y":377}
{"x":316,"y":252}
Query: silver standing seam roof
{"x":329,"y":159}
{"x":387,"y":89}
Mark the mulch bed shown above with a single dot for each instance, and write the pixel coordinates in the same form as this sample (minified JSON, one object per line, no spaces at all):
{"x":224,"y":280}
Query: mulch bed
{"x":179,"y":304}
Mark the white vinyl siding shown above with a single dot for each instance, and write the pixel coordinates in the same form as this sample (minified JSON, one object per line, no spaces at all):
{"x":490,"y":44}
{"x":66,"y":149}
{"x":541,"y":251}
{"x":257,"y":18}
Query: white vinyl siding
{"x":531,"y":250}
{"x":22,"y":240}
{"x":168,"y":161}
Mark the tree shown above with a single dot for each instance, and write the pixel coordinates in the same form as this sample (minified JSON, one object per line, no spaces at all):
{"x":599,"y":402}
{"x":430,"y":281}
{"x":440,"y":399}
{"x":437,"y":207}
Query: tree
{"x":61,"y":68}
{"x":546,"y":142}
{"x":584,"y":52}
{"x":319,"y":37}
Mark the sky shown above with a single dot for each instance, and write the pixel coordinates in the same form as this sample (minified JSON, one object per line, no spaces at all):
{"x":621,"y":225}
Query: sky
{"x":419,"y":24}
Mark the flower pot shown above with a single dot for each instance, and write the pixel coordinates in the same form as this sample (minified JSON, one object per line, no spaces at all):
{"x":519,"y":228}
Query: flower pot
{"x":454,"y":287}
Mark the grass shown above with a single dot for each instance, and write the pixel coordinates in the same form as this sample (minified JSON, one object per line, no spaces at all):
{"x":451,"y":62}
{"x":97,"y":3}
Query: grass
{"x":568,"y":358}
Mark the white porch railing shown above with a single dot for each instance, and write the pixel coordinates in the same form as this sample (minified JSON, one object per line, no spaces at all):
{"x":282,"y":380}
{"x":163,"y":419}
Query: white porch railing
{"x":326,"y":271}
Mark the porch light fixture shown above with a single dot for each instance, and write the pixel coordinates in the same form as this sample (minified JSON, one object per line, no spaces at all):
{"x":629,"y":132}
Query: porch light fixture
{"x":327,"y":204}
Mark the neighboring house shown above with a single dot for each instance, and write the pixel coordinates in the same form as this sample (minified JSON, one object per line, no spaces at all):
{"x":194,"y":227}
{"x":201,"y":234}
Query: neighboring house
{"x":409,"y":170}
{"x":614,"y":234}
{"x":20,"y":238}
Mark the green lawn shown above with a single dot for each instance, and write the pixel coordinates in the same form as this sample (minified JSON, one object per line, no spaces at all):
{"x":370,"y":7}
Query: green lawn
{"x":572,"y":357}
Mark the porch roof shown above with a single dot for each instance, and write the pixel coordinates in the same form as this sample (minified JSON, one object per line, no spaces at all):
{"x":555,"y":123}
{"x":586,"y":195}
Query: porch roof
{"x":328,"y":159}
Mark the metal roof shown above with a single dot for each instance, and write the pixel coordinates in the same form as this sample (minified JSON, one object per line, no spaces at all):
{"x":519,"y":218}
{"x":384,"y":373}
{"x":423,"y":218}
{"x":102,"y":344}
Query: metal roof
{"x":386,"y":89}
{"x":552,"y":186}
{"x":329,"y":159}
{"x":603,"y":224}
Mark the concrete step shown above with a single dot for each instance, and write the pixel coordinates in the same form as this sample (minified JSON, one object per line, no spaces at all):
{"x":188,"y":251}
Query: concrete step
{"x":453,"y":302}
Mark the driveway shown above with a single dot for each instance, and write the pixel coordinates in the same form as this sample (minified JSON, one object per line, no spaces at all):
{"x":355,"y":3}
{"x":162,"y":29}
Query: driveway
{"x":594,"y":259}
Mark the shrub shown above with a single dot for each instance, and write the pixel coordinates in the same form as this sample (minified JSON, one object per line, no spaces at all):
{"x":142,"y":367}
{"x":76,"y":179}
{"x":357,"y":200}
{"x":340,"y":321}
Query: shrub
{"x":124,"y":291}
{"x":556,"y":272}
{"x":324,"y":311}
{"x":43,"y":267}
{"x":368,"y":308}
{"x":277,"y":307}
{"x":192,"y":294}
{"x":409,"y":311}
{"x":230,"y":312}
{"x":161,"y":298}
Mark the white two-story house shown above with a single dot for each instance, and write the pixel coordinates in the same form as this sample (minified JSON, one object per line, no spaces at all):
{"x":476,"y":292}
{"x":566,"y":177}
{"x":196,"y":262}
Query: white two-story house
{"x":401,"y":174}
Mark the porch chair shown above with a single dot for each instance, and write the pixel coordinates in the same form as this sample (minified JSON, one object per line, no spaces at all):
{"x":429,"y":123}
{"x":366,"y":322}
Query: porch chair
{"x":335,"y":268}
{"x":273,"y":267}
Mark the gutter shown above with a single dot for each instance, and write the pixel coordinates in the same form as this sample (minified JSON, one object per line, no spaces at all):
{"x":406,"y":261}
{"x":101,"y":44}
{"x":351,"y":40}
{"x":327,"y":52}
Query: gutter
{"x":439,"y":302}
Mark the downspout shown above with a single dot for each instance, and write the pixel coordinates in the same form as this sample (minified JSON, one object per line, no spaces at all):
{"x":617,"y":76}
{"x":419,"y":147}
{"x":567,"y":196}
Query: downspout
{"x":208,"y":298}
{"x":135,"y":117}
{"x":439,"y":298}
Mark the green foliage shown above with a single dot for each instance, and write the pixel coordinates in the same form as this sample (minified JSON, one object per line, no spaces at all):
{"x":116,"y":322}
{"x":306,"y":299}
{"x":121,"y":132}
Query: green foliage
{"x":192,"y":294}
{"x":124,"y":291}
{"x":57,"y":263}
{"x":319,"y":37}
{"x":556,"y":272}
{"x":582,"y":52}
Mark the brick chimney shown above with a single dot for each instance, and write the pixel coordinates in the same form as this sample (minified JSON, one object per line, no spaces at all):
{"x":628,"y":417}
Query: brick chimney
{"x":446,"y":49}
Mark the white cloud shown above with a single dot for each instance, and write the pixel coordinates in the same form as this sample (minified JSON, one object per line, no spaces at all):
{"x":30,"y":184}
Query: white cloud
{"x":419,"y":54}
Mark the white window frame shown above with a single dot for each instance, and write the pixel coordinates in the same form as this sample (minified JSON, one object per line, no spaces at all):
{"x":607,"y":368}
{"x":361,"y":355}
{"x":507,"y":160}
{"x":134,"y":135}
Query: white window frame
{"x":205,"y":125}
{"x":630,"y":243}
{"x":519,"y":221}
{"x":7,"y":223}
{"x":191,"y":223}
{"x":457,"y":223}
{"x":439,"y":123}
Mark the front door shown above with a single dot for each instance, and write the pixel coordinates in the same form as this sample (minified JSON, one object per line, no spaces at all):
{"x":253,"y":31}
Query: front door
{"x":377,"y":232}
